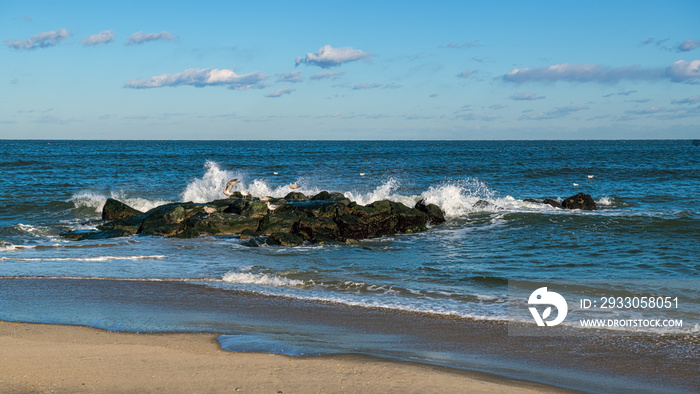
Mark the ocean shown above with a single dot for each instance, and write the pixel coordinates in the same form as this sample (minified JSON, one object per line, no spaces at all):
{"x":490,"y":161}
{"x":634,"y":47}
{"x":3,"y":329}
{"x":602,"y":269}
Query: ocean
{"x":646,"y":230}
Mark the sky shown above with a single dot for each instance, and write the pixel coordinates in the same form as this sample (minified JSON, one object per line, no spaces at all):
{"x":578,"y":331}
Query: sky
{"x":351,"y":70}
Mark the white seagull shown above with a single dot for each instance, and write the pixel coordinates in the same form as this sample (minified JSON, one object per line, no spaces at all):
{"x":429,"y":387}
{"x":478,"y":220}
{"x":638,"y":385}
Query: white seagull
{"x":229,"y":186}
{"x":293,"y":186}
{"x":209,"y":210}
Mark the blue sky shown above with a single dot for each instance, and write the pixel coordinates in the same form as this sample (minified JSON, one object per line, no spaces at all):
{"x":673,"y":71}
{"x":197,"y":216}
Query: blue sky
{"x":350,"y":70}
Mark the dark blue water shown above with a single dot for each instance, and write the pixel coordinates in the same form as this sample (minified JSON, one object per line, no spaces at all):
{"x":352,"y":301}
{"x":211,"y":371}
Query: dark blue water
{"x":647,"y":225}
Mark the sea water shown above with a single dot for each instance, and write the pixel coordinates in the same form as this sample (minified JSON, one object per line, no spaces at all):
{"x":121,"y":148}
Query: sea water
{"x":647,"y":225}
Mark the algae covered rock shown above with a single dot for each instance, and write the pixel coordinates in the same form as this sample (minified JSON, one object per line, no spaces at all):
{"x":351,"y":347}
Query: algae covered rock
{"x":114,"y":209}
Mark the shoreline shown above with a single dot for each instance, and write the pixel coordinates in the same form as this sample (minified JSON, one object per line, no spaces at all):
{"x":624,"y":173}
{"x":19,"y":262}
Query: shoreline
{"x":242,"y":322}
{"x":64,"y":358}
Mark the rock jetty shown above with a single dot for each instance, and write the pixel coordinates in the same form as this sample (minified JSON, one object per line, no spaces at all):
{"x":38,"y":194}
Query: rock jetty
{"x":321,"y":219}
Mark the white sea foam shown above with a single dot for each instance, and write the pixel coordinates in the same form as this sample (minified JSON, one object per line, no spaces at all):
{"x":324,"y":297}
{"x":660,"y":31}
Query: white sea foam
{"x":385,"y":191}
{"x":91,"y":258}
{"x":209,"y":186}
{"x":604,"y":201}
{"x":261,"y":279}
{"x":8,"y":247}
{"x":458,"y":198}
{"x":96,"y":201}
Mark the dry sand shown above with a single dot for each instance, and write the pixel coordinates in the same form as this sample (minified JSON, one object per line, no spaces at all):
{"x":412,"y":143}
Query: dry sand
{"x":53,"y":358}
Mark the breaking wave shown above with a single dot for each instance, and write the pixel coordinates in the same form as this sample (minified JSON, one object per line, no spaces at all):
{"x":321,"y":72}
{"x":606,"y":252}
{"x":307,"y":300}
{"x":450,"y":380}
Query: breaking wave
{"x":94,"y":202}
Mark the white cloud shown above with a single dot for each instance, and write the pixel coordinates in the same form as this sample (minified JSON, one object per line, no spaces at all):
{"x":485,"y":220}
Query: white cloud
{"x":582,"y":73}
{"x":41,"y":40}
{"x":661,"y":44}
{"x":327,"y":74}
{"x":362,"y":86}
{"x":202,"y":77}
{"x":293,"y":77}
{"x":621,"y":93}
{"x":529,"y":96}
{"x":328,"y":56}
{"x":467,"y":73}
{"x":104,"y":37}
{"x":375,"y":85}
{"x":688,"y":45}
{"x":280,"y":92}
{"x":457,"y":45}
{"x":558,"y":112}
{"x":682,"y":71}
{"x":679,"y":71}
{"x":689,"y":100}
{"x":141,"y":37}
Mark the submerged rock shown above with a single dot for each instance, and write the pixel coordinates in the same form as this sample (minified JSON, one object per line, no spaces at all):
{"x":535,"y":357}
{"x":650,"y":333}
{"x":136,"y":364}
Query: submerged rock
{"x":580,"y":201}
{"x":552,"y":203}
{"x":481,"y":204}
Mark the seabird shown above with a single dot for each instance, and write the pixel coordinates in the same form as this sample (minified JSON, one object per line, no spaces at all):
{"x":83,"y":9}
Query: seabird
{"x":293,"y":186}
{"x":275,"y":173}
{"x":270,"y":206}
{"x":229,"y":185}
{"x":591,"y":176}
{"x":244,"y":193}
{"x":362,"y":174}
{"x":209,"y":210}
{"x":575,"y":184}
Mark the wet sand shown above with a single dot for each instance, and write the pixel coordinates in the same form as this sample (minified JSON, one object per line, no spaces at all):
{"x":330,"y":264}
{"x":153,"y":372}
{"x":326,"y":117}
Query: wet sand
{"x":53,"y":358}
{"x":244,"y":322}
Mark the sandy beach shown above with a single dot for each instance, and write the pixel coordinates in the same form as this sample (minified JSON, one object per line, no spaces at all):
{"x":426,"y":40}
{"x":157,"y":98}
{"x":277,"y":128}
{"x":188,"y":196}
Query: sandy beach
{"x":55,"y":358}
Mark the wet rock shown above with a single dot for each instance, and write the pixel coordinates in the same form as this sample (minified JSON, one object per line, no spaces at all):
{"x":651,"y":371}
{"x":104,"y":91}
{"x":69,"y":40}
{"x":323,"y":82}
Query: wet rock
{"x":532,"y":200}
{"x":279,"y":221}
{"x":248,"y":234}
{"x":91,"y":234}
{"x":435,"y":214}
{"x":482,"y":204}
{"x":580,"y":201}
{"x":286,"y":239}
{"x":221,"y":224}
{"x":324,"y":195}
{"x":130,"y":224}
{"x":552,"y":203}
{"x":250,"y":208}
{"x":114,"y":209}
{"x":316,"y":228}
{"x":379,"y":218}
{"x":295,"y":196}
{"x":167,"y":220}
